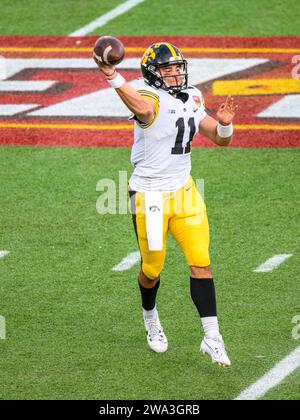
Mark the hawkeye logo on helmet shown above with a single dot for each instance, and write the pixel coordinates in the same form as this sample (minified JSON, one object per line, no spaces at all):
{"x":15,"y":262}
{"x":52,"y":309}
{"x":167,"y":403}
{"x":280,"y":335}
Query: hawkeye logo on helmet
{"x":149,"y":53}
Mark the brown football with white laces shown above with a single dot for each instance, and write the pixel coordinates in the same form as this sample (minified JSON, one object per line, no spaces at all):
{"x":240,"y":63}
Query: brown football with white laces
{"x":109,"y":50}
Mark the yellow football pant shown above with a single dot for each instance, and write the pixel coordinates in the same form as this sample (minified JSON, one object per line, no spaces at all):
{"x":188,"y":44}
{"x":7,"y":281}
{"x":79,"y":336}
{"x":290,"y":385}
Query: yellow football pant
{"x":185,"y":217}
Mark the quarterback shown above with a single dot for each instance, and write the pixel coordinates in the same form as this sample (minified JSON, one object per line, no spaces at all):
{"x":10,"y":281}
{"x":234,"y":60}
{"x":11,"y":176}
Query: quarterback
{"x":167,"y":114}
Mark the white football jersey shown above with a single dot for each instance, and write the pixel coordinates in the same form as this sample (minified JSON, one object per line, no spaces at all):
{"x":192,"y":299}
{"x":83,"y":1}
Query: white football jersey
{"x":161,"y":154}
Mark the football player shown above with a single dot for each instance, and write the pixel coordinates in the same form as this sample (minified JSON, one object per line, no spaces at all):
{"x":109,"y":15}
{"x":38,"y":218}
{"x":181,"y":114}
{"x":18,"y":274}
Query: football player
{"x":167,"y":114}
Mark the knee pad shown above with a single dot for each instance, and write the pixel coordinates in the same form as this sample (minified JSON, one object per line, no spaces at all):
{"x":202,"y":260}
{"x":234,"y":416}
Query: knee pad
{"x":198,"y":257}
{"x":151,"y":271}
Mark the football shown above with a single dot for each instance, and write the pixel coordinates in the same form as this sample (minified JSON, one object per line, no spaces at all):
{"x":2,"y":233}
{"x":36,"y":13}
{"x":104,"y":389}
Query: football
{"x":109,"y":50}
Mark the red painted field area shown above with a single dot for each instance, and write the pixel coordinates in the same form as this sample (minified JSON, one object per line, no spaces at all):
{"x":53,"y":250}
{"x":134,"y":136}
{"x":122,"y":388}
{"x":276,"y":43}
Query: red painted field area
{"x":49,"y":89}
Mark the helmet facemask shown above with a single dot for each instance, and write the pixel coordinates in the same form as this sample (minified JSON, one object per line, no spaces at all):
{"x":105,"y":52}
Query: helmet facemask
{"x":181,"y":78}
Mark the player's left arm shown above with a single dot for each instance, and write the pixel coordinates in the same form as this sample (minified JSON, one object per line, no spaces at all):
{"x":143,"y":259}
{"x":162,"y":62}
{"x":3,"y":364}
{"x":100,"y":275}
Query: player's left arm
{"x":220,"y":132}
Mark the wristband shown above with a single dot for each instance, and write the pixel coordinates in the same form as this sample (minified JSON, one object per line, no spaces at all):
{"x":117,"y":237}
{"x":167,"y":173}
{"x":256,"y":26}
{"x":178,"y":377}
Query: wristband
{"x":117,"y":82}
{"x":225,"y":130}
{"x":110,"y":76}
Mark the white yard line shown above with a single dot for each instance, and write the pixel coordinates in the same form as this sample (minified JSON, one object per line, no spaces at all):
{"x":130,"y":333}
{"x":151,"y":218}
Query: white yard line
{"x":3,"y":254}
{"x":272,"y":263}
{"x":104,"y":19}
{"x":128,"y":262}
{"x":273,"y":378}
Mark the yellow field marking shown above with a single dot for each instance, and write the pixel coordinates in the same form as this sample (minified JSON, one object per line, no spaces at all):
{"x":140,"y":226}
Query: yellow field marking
{"x":256,"y":87}
{"x":44,"y":50}
{"x":130,"y":127}
{"x":142,"y":49}
{"x":67,"y":126}
{"x":265,"y":127}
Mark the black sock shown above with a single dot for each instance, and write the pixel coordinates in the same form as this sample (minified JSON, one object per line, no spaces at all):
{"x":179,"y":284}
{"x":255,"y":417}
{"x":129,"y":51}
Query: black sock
{"x":204,"y":296}
{"x":149,"y":296}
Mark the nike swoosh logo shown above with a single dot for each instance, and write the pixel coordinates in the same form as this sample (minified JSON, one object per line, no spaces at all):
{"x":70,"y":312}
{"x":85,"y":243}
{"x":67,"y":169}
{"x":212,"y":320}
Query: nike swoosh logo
{"x":216,"y":355}
{"x":195,"y":110}
{"x":187,"y":189}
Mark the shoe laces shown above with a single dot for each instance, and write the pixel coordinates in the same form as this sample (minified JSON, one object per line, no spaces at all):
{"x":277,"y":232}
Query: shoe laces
{"x":218,"y":344}
{"x":154,"y":329}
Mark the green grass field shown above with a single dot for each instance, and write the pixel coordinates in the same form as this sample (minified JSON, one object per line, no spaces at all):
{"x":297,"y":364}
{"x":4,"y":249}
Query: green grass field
{"x":209,"y":17}
{"x":74,"y":327}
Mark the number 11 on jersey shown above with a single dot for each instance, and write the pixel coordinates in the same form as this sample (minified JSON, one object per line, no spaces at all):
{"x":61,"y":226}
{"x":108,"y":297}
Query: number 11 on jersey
{"x":178,"y":149}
